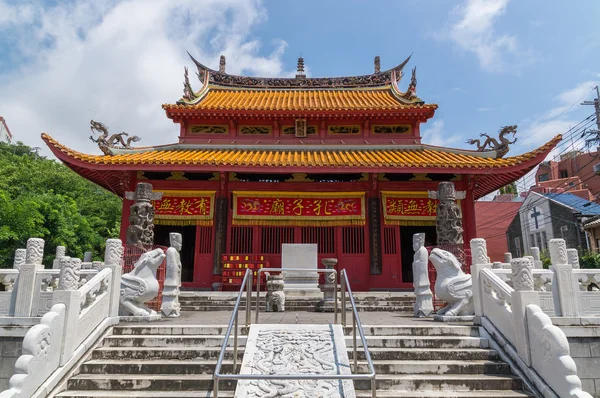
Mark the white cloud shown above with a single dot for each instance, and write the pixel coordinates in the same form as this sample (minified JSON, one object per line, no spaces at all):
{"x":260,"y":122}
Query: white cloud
{"x":471,"y":29}
{"x":484,"y":109}
{"x":559,"y":119}
{"x":118,"y":61}
{"x":434,"y":134}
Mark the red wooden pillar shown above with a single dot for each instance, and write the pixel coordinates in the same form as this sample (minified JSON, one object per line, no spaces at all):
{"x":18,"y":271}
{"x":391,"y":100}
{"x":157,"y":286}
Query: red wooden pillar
{"x":469,"y":225}
{"x":222,"y":207}
{"x":129,"y":186}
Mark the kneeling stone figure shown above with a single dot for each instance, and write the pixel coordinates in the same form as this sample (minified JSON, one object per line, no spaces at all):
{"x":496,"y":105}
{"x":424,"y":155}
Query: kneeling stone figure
{"x":452,"y":285}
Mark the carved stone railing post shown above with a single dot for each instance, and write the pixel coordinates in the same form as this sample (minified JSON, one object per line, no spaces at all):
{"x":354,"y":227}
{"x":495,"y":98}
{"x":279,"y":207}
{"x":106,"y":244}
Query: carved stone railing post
{"x":573,"y":258}
{"x":564,"y":290}
{"x":19,"y":259}
{"x":507,"y":257}
{"x":113,"y":259}
{"x":524,"y":294}
{"x":480,"y":260}
{"x":26,"y":280}
{"x":61,"y":251}
{"x":537,"y":260}
{"x":67,"y":293}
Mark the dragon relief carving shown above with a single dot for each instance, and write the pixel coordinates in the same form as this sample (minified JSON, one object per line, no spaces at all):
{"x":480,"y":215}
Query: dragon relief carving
{"x":106,"y":141}
{"x":501,"y":145}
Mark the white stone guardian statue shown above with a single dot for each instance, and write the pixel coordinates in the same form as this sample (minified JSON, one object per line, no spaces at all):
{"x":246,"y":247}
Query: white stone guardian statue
{"x":140,"y":285}
{"x":452,"y":285}
{"x":423,"y":295}
{"x":170,"y":306}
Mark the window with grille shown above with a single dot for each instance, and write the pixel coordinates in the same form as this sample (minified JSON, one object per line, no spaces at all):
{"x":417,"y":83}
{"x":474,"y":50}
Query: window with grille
{"x":241,"y":240}
{"x":273,"y":237}
{"x":389,"y":240}
{"x":353,"y":240}
{"x":324,"y":237}
{"x":205,"y":246}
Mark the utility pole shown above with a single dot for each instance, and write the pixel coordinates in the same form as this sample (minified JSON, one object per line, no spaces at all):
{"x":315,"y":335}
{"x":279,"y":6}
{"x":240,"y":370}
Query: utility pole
{"x":596,"y":104}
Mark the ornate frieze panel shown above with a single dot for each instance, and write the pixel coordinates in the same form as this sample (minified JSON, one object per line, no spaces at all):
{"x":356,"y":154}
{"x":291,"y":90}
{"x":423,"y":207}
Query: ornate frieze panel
{"x":345,"y":130}
{"x":391,"y":129}
{"x":256,"y":130}
{"x":291,"y":130}
{"x":208,"y":129}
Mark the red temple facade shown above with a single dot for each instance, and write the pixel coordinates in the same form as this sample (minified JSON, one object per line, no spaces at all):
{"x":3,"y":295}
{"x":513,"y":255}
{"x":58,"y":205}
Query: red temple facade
{"x":333,"y":161}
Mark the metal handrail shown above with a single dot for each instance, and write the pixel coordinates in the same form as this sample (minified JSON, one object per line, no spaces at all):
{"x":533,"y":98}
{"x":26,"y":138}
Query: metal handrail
{"x":355,"y":324}
{"x":323,"y":270}
{"x":247,"y":283}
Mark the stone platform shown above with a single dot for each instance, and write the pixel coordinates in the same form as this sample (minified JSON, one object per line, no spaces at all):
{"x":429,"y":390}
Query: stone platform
{"x":289,"y":349}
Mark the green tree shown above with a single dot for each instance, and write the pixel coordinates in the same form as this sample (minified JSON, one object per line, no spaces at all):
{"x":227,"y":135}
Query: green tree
{"x":510,"y":188}
{"x":43,"y":198}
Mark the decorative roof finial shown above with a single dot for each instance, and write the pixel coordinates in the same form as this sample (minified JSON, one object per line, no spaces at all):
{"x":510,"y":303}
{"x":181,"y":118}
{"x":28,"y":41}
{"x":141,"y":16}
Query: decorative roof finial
{"x":377,"y":65}
{"x":300,"y":72}
{"x":188,"y":93}
{"x":411,"y":92}
{"x":222,"y":64}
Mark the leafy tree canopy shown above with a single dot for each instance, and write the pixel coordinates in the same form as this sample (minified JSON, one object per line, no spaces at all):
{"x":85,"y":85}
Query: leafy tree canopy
{"x":510,"y":188}
{"x":42,"y":198}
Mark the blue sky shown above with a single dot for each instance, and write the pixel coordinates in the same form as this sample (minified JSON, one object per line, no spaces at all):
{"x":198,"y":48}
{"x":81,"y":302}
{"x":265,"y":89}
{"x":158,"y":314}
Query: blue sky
{"x":487,"y":63}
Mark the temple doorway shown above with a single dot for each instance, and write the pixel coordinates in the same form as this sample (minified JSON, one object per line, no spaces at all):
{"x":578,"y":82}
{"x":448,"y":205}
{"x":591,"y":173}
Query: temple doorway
{"x":188,"y":235}
{"x":406,"y":247}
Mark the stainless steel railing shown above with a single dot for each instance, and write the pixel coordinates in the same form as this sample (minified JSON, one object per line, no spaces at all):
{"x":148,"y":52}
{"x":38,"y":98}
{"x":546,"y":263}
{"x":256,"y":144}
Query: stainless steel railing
{"x":355,"y":325}
{"x":246,"y":283}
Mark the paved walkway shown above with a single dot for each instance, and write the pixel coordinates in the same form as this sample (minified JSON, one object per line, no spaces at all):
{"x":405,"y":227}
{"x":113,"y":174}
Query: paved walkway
{"x":295,"y":317}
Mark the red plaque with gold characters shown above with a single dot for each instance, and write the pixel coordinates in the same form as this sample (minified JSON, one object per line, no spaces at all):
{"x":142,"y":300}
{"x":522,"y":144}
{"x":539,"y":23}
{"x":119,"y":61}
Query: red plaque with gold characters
{"x":298,"y":208}
{"x":408,"y":208}
{"x":184,"y":208}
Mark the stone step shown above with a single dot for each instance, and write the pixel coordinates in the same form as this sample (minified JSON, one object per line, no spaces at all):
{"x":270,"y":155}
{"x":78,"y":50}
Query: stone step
{"x":454,"y":342}
{"x":411,"y":382}
{"x":230,"y":394}
{"x":128,"y":382}
{"x":427,"y":354}
{"x":396,"y":354}
{"x":145,"y":353}
{"x":155,"y":366}
{"x":372,"y":341}
{"x":370,"y":330}
{"x":445,"y":382}
{"x":139,"y":330}
{"x":204,"y":366}
{"x":391,"y":367}
{"x":168,"y":342}
{"x":293,"y":303}
{"x":436,"y":394}
{"x":308,"y":308}
{"x":424,"y":330}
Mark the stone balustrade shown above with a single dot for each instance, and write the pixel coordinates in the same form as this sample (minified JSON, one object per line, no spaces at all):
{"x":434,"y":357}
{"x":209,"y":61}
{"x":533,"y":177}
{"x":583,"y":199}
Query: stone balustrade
{"x":83,"y":305}
{"x":513,"y":316}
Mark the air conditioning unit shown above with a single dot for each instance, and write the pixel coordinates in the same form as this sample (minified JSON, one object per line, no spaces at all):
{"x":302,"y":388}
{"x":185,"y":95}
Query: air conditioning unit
{"x":597,"y":168}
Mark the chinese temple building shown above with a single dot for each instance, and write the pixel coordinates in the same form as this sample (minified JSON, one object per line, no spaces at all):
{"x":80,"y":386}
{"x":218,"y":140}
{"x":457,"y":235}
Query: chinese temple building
{"x":333,"y":161}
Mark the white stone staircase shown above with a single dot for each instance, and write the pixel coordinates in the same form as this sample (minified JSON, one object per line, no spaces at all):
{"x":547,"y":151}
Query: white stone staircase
{"x":161,"y":361}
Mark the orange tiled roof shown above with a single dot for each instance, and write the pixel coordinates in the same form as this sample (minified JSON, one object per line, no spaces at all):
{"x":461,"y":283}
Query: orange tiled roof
{"x":299,"y":100}
{"x":273,"y":157}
